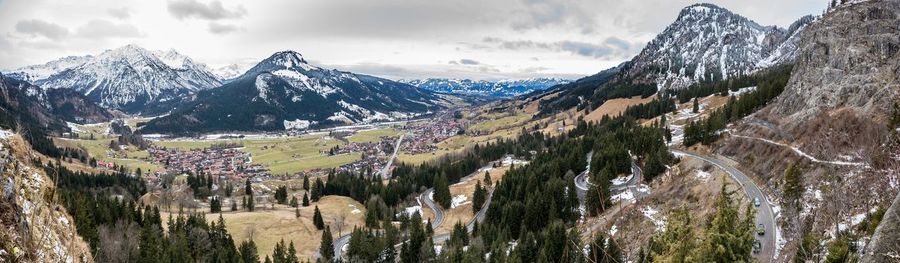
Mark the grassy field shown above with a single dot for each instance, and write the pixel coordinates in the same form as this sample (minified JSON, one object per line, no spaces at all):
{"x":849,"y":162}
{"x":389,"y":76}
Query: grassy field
{"x":500,"y":121}
{"x":268,"y":226}
{"x":464,"y":213}
{"x":98,"y":149}
{"x":283,"y":154}
{"x":373,"y":135}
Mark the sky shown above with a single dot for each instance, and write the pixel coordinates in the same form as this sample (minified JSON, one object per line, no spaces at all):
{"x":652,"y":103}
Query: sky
{"x":397,"y":39}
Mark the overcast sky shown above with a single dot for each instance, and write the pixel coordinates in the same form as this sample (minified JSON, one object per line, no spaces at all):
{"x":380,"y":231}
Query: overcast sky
{"x":478,"y":39}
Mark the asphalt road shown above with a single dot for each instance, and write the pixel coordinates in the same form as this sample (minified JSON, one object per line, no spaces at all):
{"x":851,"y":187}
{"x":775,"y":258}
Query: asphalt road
{"x":342,"y":241}
{"x":582,"y":180}
{"x":387,"y":166}
{"x":764,"y":213}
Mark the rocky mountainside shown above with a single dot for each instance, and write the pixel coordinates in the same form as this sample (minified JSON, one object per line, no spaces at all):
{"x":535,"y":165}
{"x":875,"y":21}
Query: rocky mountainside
{"x":34,"y":227}
{"x":285,"y":92}
{"x":705,"y":43}
{"x":502,"y":88}
{"x":832,"y":121}
{"x":48,"y":109}
{"x":129,"y":78}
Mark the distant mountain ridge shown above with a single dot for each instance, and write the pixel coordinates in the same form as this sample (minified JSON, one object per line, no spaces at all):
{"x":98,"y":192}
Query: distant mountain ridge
{"x":501,"y":88}
{"x":130,"y":78}
{"x":285,"y":92}
{"x":705,"y":43}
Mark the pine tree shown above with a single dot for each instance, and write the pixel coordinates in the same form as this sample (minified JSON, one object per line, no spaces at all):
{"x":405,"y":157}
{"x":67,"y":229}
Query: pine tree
{"x":442,"y":191}
{"x":233,"y":205}
{"x":696,"y":108}
{"x":478,"y":197}
{"x":306,"y":182}
{"x":317,"y":219}
{"x":793,"y":185}
{"x":294,"y":202}
{"x":487,"y":179}
{"x":292,"y":254}
{"x":326,"y":247}
{"x":305,"y":200}
{"x":248,"y":190}
{"x":248,"y":251}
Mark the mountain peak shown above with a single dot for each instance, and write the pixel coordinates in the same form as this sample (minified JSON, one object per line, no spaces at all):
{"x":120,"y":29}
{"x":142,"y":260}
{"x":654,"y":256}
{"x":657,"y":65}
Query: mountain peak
{"x":287,"y":59}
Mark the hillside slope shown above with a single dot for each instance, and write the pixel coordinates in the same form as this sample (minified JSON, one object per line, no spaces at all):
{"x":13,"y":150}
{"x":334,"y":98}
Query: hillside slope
{"x":34,"y":227}
{"x":832,"y":122}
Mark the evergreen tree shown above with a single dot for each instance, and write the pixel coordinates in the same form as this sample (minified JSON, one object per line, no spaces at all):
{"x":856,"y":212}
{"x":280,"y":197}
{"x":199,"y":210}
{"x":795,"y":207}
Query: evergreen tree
{"x":442,"y":191}
{"x":317,"y":219}
{"x":305,"y":200}
{"x":248,"y":190}
{"x":294,"y":202}
{"x":306,"y":182}
{"x":696,"y":107}
{"x":478,"y":197}
{"x":326,"y":247}
{"x":729,"y":237}
{"x":248,"y":251}
{"x":793,"y":185}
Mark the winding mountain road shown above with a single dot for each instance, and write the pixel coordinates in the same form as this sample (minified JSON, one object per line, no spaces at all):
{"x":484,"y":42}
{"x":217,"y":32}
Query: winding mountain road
{"x":582,"y":182}
{"x":425,"y":198}
{"x":764,"y":214}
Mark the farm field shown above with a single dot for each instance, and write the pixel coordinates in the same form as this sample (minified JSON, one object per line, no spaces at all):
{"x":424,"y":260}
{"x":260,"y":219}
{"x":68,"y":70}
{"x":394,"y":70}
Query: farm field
{"x":98,"y":149}
{"x":268,"y":226}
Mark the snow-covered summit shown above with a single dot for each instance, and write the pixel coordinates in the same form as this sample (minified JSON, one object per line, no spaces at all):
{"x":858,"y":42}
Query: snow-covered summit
{"x":128,"y":78}
{"x":708,"y":42}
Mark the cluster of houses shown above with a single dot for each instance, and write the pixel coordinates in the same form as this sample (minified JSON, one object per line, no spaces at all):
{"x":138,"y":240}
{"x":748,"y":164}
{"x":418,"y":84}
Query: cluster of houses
{"x":231,"y":163}
{"x":425,"y":135}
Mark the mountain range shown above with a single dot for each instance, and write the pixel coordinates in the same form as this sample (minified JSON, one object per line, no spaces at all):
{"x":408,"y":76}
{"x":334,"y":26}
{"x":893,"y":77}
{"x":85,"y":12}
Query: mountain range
{"x":501,"y":88}
{"x":704,"y":43}
{"x":285,"y":92}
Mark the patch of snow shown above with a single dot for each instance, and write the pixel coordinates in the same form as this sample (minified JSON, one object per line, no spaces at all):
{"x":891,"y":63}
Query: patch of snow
{"x":624,"y":196}
{"x":741,"y":91}
{"x":458,"y":200}
{"x":4,"y":134}
{"x":621,"y":180}
{"x":613,"y":230}
{"x":297,"y":124}
{"x":409,"y":211}
{"x":703,"y":175}
{"x":651,"y":214}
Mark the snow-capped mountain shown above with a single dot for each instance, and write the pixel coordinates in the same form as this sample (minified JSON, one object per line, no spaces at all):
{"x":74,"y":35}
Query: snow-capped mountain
{"x":229,"y":72}
{"x":502,"y":88}
{"x":43,"y":71}
{"x":707,"y":42}
{"x":129,"y":78}
{"x":285,"y":92}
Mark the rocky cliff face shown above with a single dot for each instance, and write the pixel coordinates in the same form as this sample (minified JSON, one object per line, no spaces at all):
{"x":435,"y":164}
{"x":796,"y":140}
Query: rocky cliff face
{"x":851,"y":59}
{"x":832,"y":122}
{"x":34,"y":227}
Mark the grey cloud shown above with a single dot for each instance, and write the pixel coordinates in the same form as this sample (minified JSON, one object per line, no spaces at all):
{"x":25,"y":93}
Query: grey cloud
{"x":466,"y":61}
{"x":99,"y":28}
{"x":182,"y":9}
{"x":35,"y":27}
{"x":609,"y":48}
{"x":539,"y":14}
{"x":222,"y":29}
{"x":120,"y":13}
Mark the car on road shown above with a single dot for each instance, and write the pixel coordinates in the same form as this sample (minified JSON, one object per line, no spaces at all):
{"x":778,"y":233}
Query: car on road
{"x":761,"y":229}
{"x":756,"y":201}
{"x":757,"y":246}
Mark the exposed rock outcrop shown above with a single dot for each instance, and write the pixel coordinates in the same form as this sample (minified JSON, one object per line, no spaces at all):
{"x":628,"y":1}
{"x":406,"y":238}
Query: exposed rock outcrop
{"x":34,"y":227}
